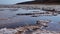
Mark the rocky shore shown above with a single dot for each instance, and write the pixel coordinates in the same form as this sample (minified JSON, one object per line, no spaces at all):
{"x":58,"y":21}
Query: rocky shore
{"x":15,"y":31}
{"x":30,"y":29}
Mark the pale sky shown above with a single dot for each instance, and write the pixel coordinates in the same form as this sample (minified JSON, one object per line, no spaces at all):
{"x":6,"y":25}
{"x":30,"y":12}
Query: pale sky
{"x":12,"y":1}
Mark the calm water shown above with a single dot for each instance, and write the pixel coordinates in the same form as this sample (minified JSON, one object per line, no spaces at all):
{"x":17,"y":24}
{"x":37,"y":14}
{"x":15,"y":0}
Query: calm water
{"x":13,"y":20}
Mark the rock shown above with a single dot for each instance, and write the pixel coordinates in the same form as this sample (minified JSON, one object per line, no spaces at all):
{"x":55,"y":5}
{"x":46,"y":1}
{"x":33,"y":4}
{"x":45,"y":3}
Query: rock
{"x":7,"y":31}
{"x":25,"y":14}
{"x":44,"y":32}
{"x":15,"y":31}
{"x":43,"y":23}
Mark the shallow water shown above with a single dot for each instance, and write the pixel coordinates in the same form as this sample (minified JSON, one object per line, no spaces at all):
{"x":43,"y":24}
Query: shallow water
{"x":9,"y":19}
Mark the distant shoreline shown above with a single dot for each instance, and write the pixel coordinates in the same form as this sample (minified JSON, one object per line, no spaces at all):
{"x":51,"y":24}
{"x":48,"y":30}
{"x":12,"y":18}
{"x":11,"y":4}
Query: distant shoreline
{"x":20,"y":5}
{"x":26,"y":6}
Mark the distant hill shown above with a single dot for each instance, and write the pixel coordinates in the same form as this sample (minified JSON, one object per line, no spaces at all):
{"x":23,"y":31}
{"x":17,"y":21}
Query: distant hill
{"x":41,"y":2}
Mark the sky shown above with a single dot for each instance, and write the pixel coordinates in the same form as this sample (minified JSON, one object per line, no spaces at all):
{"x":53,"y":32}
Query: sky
{"x":12,"y":1}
